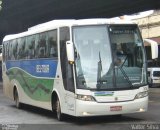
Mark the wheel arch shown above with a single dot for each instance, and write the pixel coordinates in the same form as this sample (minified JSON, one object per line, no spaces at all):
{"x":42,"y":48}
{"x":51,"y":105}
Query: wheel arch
{"x":54,"y":98}
{"x":14,"y":89}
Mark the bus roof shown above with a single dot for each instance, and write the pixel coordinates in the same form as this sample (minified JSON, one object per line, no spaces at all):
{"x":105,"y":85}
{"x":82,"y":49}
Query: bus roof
{"x":61,"y":23}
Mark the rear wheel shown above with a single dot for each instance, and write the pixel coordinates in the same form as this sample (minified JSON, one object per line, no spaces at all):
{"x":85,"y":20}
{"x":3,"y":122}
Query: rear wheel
{"x":118,"y":116}
{"x":58,"y":110}
{"x":16,"y":99}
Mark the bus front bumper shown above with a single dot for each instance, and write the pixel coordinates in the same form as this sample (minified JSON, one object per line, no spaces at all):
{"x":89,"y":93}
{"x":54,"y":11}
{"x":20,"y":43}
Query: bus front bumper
{"x":88,"y":108}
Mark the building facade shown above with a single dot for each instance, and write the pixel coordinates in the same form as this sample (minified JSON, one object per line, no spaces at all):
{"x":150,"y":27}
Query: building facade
{"x":150,"y":29}
{"x":150,"y":26}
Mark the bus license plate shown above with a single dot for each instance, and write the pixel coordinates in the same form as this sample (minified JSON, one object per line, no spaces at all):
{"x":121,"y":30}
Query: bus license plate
{"x":116,"y":108}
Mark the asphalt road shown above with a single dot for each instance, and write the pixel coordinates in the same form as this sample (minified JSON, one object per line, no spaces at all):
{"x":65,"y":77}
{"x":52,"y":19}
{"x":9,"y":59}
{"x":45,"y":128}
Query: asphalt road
{"x":29,"y":118}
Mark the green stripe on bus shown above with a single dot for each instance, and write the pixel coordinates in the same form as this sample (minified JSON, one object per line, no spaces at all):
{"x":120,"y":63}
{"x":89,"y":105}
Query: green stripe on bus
{"x":36,"y":88}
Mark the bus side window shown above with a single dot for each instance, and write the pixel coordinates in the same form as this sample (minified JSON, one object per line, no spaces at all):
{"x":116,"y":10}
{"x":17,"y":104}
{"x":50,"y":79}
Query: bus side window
{"x":30,"y":47}
{"x":7,"y":50}
{"x":14,"y":49}
{"x":36,"y":50}
{"x":10,"y":50}
{"x":18,"y":48}
{"x":52,"y":44}
{"x":42,"y":45}
{"x":21,"y":48}
{"x":4,"y":49}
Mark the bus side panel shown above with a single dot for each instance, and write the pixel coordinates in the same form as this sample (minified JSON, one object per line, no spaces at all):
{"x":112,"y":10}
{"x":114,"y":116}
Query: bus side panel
{"x":7,"y":87}
{"x":60,"y":90}
{"x":34,"y":79}
{"x":24,"y":98}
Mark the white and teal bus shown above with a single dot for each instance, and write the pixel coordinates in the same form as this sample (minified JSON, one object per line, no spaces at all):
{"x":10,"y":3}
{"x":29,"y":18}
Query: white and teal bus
{"x":77,"y":67}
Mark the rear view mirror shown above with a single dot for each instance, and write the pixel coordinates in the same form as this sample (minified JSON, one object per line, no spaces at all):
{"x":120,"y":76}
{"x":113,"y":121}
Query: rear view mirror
{"x":154,"y":48}
{"x":70,"y":51}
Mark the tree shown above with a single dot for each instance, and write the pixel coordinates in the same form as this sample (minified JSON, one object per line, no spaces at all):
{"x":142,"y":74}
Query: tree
{"x":0,"y":5}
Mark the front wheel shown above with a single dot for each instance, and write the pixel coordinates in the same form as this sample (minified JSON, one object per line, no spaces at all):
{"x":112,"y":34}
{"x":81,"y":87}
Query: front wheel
{"x":118,"y":116}
{"x":58,"y":110}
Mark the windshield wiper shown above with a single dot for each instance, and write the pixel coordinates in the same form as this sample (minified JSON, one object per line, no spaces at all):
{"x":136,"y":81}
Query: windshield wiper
{"x":124,"y":73}
{"x":99,"y":73}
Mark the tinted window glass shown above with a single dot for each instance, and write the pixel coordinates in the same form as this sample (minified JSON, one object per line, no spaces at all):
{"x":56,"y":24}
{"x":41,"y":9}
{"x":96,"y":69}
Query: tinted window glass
{"x":52,"y":44}
{"x":30,"y":47}
{"x":67,"y":69}
{"x":21,"y":48}
{"x":42,"y":47}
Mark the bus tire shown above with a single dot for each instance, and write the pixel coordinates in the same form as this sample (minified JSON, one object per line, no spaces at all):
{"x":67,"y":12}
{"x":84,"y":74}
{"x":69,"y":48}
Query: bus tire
{"x":16,"y":99}
{"x":58,"y":110}
{"x":118,"y":116}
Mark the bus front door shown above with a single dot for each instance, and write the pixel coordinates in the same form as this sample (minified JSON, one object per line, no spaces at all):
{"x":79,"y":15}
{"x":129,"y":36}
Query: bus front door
{"x":68,"y":82}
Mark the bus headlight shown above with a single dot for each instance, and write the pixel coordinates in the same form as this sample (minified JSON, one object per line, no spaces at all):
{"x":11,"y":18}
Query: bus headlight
{"x":141,"y":95}
{"x":85,"y":97}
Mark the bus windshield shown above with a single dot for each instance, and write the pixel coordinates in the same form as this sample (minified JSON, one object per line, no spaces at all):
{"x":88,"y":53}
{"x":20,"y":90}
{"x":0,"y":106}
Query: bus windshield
{"x":109,"y":57}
